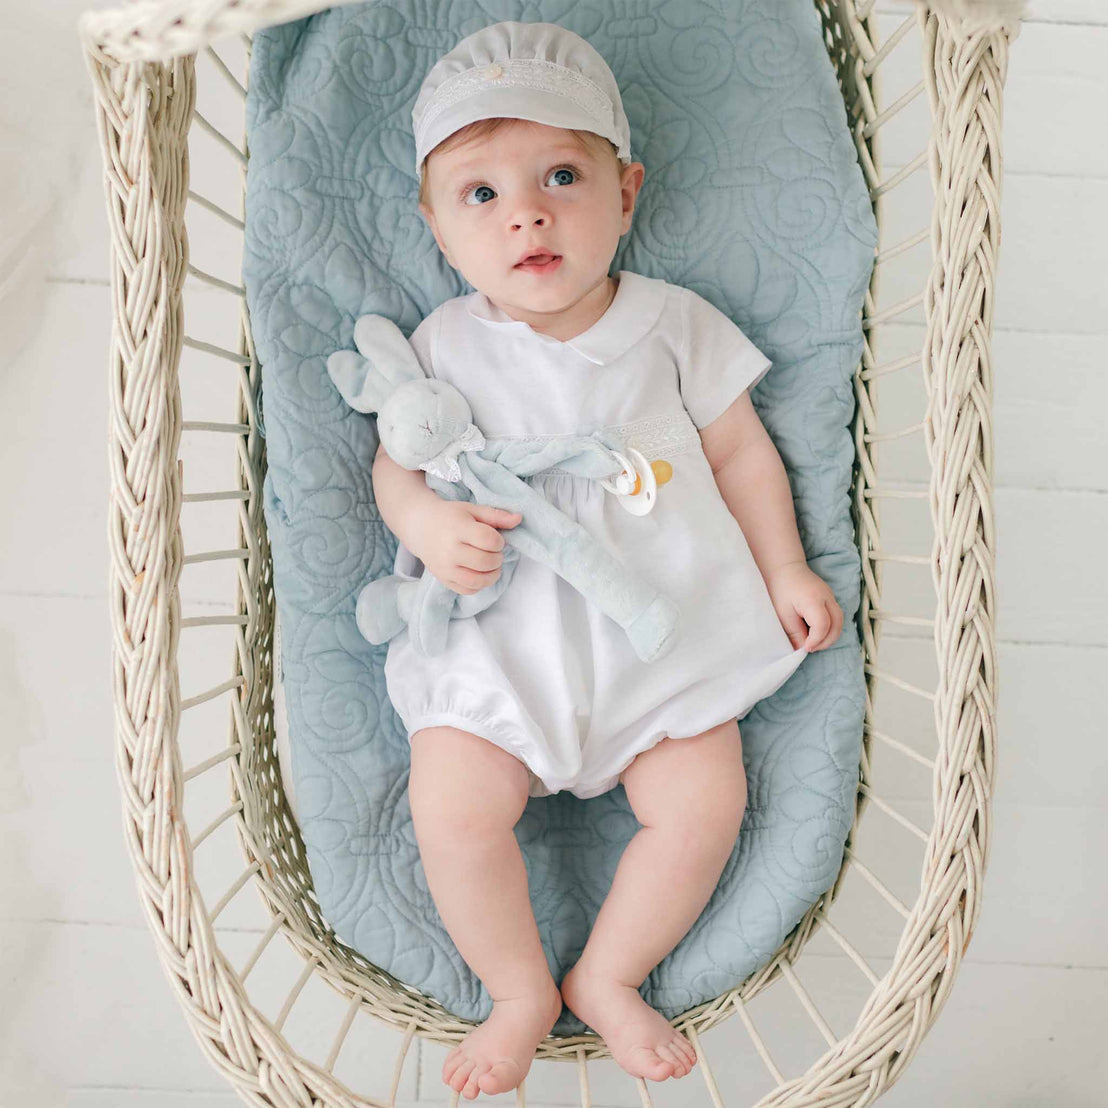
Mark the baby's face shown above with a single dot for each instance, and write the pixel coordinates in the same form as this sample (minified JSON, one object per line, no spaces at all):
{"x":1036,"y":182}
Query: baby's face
{"x":529,"y":186}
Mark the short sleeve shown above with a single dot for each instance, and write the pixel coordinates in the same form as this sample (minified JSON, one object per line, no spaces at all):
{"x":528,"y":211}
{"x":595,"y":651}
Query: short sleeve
{"x":718,"y":362}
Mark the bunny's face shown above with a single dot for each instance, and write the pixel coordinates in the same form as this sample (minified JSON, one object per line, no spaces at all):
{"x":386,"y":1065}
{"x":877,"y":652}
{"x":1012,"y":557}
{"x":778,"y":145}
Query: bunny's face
{"x":418,"y":417}
{"x":421,"y":419}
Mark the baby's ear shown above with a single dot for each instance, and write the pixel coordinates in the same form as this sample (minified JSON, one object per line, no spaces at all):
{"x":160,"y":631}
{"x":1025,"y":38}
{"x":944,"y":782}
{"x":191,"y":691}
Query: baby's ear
{"x":429,"y":219}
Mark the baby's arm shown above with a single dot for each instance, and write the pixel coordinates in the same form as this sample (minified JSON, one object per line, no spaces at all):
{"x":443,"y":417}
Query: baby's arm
{"x":403,"y":499}
{"x":457,"y":541}
{"x":754,"y":485}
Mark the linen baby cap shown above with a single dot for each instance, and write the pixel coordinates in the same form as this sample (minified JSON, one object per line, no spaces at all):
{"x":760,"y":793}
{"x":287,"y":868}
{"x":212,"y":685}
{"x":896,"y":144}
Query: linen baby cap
{"x":535,"y":71}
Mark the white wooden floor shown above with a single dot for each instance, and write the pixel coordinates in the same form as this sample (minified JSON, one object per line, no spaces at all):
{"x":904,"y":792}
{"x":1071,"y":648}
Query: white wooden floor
{"x":88,"y":1018}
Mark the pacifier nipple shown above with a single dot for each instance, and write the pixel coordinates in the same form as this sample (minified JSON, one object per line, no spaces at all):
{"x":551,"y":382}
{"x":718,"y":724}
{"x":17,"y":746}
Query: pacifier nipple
{"x":637,"y":485}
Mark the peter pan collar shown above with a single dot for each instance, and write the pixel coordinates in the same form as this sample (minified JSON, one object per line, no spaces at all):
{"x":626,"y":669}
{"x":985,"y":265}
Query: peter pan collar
{"x":633,"y":312}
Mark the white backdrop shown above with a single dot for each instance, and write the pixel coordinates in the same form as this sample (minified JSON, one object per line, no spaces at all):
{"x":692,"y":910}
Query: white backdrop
{"x":88,"y":1019}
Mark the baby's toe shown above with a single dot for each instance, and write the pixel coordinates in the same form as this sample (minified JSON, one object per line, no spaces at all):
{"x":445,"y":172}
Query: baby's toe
{"x":683,"y":1047}
{"x":453,"y":1060}
{"x":683,"y":1056}
{"x":687,"y":1049}
{"x":472,"y":1088}
{"x":499,"y":1078}
{"x":681,"y":1064}
{"x":461,"y":1073}
{"x":657,"y":1068}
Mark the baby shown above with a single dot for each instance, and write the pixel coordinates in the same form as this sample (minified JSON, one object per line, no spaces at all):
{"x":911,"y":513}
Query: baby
{"x":527,"y":185}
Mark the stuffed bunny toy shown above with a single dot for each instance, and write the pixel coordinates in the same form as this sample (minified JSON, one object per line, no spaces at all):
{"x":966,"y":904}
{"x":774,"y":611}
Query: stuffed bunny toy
{"x":424,"y":423}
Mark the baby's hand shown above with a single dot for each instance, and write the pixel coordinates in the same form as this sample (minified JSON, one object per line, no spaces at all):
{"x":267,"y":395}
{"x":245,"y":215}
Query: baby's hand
{"x":461,"y":546}
{"x":805,"y":605}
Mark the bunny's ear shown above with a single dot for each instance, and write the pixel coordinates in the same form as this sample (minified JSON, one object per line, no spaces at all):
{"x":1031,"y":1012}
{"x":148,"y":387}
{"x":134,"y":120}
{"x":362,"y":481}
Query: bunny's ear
{"x":354,"y":377}
{"x":387,"y":360}
{"x":387,"y":350}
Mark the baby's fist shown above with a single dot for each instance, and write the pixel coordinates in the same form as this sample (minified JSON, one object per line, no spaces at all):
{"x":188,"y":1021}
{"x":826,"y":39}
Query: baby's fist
{"x":806,"y":606}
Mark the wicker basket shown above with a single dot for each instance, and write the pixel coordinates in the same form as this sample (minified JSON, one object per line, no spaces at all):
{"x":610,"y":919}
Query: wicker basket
{"x":144,"y":60}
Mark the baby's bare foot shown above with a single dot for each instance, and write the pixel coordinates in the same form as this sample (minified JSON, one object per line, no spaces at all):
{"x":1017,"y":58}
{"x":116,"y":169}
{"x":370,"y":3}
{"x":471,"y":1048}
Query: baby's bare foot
{"x":496,"y":1056}
{"x":640,"y":1038}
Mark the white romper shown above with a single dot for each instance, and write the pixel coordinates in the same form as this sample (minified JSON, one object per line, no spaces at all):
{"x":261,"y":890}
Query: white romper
{"x":542,"y":673}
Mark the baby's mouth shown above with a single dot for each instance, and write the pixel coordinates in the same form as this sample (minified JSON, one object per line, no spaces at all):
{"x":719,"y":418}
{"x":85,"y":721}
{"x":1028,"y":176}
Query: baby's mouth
{"x":536,"y":260}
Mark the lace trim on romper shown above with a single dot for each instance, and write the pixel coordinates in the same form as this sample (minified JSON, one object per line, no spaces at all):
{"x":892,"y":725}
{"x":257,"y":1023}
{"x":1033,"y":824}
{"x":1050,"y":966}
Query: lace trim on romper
{"x":662,"y":436}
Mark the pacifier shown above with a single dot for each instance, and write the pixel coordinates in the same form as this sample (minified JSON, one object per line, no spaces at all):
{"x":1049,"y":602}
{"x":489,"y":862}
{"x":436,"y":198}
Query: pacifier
{"x":636,"y":486}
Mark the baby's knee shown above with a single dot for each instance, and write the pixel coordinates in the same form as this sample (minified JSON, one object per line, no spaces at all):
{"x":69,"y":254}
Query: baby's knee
{"x":462,"y":786}
{"x":724,"y":805}
{"x":708,"y":814}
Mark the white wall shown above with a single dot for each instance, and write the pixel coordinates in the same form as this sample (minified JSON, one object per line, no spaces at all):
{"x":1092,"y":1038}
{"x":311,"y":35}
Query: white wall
{"x":88,"y":1019}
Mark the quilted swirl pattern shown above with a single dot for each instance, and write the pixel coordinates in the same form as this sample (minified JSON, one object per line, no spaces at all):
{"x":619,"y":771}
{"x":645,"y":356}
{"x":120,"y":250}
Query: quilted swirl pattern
{"x":754,"y":199}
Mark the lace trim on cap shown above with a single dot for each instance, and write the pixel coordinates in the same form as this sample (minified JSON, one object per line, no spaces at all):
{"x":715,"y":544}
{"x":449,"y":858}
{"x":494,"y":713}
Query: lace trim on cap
{"x":521,"y":73}
{"x":665,"y":436}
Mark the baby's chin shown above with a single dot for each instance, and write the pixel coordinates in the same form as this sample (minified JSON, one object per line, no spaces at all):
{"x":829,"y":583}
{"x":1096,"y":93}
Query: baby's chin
{"x":544,"y":292}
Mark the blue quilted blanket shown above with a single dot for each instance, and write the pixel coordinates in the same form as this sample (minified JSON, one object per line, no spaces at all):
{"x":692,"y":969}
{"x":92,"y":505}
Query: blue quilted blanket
{"x":753,"y":198}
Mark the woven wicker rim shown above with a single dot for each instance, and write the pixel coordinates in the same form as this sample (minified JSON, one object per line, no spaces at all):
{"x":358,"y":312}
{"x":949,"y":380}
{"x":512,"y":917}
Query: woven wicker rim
{"x":142,"y":62}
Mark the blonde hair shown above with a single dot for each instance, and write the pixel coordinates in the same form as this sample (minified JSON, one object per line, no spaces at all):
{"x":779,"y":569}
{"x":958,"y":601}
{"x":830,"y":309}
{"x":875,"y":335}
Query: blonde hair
{"x":482,"y":128}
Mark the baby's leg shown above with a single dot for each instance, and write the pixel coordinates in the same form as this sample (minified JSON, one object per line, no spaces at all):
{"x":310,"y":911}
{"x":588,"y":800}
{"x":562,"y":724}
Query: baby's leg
{"x":466,"y":796}
{"x":689,"y":794}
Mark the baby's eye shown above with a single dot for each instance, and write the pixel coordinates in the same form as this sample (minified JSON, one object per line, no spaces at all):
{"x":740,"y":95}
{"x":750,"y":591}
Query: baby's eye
{"x":566,"y":169}
{"x":480,"y":193}
{"x":477,"y":190}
